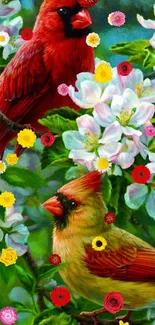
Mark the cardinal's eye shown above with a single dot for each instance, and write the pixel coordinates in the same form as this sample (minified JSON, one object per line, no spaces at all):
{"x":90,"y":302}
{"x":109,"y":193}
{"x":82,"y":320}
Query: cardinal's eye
{"x":73,"y":204}
{"x":64,"y":11}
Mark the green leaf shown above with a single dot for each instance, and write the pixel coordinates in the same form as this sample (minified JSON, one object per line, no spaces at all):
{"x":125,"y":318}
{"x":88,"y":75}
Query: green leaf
{"x":20,"y":295}
{"x":130,"y":48}
{"x":75,"y":172}
{"x":137,"y":58}
{"x":58,"y":124}
{"x":116,"y":188}
{"x":49,"y":274}
{"x":106,"y":189}
{"x":56,"y":152}
{"x":67,"y":112}
{"x":52,"y":316}
{"x":22,"y":177}
{"x":8,"y":273}
{"x":2,"y":213}
{"x":25,"y":277}
{"x":62,"y":163}
{"x":149,"y":60}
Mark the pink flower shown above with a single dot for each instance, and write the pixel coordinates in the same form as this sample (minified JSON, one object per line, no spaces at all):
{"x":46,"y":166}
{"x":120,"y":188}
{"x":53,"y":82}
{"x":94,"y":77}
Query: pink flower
{"x":62,"y":90}
{"x":150,"y":131}
{"x":8,"y":315}
{"x":116,"y":18}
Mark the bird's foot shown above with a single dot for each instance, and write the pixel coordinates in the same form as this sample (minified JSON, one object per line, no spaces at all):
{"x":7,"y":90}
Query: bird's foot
{"x":124,"y":318}
{"x":28,"y":126}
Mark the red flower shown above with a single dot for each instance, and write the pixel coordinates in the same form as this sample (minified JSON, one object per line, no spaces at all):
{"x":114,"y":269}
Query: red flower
{"x":113,"y":302}
{"x":47,"y":139}
{"x":60,"y":296}
{"x":109,"y":217}
{"x":55,"y":259}
{"x":141,"y":174}
{"x":124,"y":68}
{"x":87,"y":3}
{"x":27,"y":34}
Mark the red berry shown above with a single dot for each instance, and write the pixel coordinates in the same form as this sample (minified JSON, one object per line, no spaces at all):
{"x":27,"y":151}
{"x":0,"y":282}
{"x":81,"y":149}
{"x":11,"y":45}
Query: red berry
{"x":47,"y":139}
{"x":124,"y":68}
{"x":109,"y":217}
{"x":55,"y":259}
{"x":141,"y":174}
{"x":27,"y":34}
{"x":60,"y":296}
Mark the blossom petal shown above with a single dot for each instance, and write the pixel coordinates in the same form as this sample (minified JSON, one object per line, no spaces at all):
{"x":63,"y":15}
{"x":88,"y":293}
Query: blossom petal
{"x":113,"y":132}
{"x":82,"y":76}
{"x":91,"y":91}
{"x":109,"y":92}
{"x":103,"y":114}
{"x":136,"y":195}
{"x":151,"y":156}
{"x":152,"y":41}
{"x":125,"y":159}
{"x":129,"y":131}
{"x":151,"y":167}
{"x":146,"y":23}
{"x":88,"y":124}
{"x":117,"y":104}
{"x":20,"y":249}
{"x":150,"y":204}
{"x":110,"y":149}
{"x":73,"y":140}
{"x":1,"y":235}
{"x":144,"y":113}
{"x":82,"y":155}
{"x":130,"y":99}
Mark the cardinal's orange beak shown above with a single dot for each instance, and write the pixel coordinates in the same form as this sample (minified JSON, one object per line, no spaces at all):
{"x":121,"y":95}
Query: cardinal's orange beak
{"x":53,"y":206}
{"x":81,"y":20}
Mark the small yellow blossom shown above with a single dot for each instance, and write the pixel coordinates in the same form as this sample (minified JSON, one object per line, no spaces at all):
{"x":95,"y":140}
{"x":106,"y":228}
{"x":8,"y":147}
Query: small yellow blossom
{"x":103,"y":164}
{"x":11,"y":159}
{"x":122,"y":323}
{"x":7,"y":199}
{"x":110,"y":18}
{"x":2,"y":167}
{"x":26,"y":138}
{"x":8,"y":256}
{"x":103,"y":72}
{"x":99,"y":243}
{"x":93,"y":40}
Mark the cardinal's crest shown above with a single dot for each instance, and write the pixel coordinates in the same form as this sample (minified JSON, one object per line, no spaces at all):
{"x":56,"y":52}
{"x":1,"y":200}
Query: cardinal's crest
{"x":87,"y":3}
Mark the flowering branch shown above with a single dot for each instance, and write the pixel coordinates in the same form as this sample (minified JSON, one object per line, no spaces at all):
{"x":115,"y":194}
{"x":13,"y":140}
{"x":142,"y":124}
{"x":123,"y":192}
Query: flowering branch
{"x":89,"y":321}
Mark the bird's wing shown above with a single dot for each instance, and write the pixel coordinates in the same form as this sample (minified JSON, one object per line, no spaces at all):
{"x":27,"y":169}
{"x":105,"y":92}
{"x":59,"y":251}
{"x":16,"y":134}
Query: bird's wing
{"x":124,"y":264}
{"x":24,"y":79}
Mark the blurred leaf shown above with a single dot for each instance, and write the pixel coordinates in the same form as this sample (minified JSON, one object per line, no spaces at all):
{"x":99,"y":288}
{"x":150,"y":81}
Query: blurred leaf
{"x":20,"y":295}
{"x":67,"y":112}
{"x":2,"y":213}
{"x":22,"y":177}
{"x":51,"y":271}
{"x":62,"y":163}
{"x":75,"y":172}
{"x":106,"y":189}
{"x":8,"y":273}
{"x":56,"y":152}
{"x":149,"y":60}
{"x":130,"y":48}
{"x":58,"y":124}
{"x":25,"y":277}
{"x":55,"y":312}
{"x":137,"y":58}
{"x":43,"y":237}
{"x":62,"y":319}
{"x":115,"y":194}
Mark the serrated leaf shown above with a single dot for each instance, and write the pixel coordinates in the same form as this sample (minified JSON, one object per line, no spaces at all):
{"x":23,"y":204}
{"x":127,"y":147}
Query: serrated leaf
{"x":149,"y":60}
{"x":75,"y":172}
{"x":52,"y":270}
{"x":56,"y":152}
{"x":58,"y":124}
{"x":22,"y":177}
{"x":130,"y":48}
{"x":106,"y":189}
{"x":25,"y":277}
{"x":66,"y":111}
{"x":137,"y":58}
{"x":62,"y":163}
{"x":115,"y":194}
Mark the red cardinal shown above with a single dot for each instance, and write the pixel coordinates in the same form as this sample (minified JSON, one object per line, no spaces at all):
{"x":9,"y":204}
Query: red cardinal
{"x":56,"y":53}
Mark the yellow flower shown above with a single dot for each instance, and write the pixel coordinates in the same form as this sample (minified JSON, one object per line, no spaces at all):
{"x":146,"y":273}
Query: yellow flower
{"x":99,"y":243}
{"x":93,"y":40}
{"x":11,"y":158}
{"x":9,"y":256}
{"x":122,"y":323}
{"x":103,"y":72}
{"x":26,"y":138}
{"x":103,"y":164}
{"x":110,"y":19}
{"x":7,"y":199}
{"x":2,"y":167}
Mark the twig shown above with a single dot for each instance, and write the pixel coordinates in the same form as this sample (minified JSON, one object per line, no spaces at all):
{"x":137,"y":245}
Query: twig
{"x":150,"y":75}
{"x":13,"y":126}
{"x":33,"y":266}
{"x":89,"y":321}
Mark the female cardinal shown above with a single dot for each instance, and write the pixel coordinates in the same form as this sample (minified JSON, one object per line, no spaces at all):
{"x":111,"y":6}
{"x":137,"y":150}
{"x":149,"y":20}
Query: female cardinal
{"x":126,"y":265}
{"x":56,"y":53}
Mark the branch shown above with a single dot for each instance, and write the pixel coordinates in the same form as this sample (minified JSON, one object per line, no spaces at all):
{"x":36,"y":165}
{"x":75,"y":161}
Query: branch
{"x":13,"y":126}
{"x":150,"y":75}
{"x":89,"y":321}
{"x":33,"y":266}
